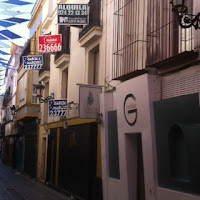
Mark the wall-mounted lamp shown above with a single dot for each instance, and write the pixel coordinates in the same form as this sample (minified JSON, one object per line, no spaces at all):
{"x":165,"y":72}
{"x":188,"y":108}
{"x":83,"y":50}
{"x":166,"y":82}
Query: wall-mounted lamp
{"x":65,"y":125}
{"x":185,"y":19}
{"x":12,"y":108}
{"x":99,"y":118}
{"x":38,"y":120}
{"x":39,"y":89}
{"x":71,"y":103}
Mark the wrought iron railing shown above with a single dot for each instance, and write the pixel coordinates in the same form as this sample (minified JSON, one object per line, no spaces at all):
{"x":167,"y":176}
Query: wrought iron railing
{"x":129,"y":38}
{"x":95,"y":18}
{"x":65,"y":31}
{"x":7,"y":97}
{"x":26,"y":51}
{"x":146,"y":34}
{"x":46,"y":63}
{"x":165,"y":38}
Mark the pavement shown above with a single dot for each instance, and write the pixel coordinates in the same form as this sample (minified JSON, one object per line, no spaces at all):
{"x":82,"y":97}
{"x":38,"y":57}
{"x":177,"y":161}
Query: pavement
{"x":15,"y":186}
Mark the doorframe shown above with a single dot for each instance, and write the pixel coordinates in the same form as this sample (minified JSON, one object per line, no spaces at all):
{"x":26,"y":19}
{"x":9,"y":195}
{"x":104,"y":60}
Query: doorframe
{"x":134,"y":161}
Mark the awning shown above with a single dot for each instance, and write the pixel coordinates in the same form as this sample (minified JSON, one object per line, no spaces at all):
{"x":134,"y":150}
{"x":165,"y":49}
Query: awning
{"x":14,"y":18}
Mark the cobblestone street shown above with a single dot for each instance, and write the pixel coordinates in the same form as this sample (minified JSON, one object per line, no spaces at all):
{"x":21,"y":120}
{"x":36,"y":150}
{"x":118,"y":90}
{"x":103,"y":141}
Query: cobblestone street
{"x":14,"y":186}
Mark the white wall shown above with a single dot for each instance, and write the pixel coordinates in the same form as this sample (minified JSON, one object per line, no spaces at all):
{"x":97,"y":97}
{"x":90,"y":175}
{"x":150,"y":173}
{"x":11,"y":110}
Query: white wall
{"x":76,"y":66}
{"x":139,"y":87}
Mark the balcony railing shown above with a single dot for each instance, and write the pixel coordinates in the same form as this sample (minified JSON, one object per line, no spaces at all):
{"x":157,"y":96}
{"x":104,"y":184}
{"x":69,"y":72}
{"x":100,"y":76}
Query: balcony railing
{"x":46,"y":63}
{"x":95,"y":18}
{"x":165,"y":38}
{"x":140,"y":41}
{"x":65,"y":31}
{"x":26,"y":51}
{"x":7,"y":97}
{"x":129,"y":38}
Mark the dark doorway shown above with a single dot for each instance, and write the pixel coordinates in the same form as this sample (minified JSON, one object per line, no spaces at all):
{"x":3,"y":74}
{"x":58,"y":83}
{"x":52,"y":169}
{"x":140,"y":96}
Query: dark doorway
{"x":135,"y":168}
{"x":51,"y":157}
{"x":77,"y":159}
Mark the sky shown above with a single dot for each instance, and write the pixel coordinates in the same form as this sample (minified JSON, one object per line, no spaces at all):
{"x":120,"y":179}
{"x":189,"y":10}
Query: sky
{"x":14,"y":19}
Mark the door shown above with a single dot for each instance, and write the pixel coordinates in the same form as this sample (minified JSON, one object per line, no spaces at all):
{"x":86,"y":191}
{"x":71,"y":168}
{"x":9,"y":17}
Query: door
{"x":19,"y":154}
{"x":30,"y":155}
{"x":135,"y":169}
{"x":43,"y":159}
{"x":51,"y":157}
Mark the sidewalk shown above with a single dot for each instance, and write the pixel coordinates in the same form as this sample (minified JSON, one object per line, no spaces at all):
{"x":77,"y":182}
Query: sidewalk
{"x":14,"y":186}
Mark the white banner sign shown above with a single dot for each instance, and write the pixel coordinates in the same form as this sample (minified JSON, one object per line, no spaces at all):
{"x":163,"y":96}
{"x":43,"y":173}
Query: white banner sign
{"x":89,"y":103}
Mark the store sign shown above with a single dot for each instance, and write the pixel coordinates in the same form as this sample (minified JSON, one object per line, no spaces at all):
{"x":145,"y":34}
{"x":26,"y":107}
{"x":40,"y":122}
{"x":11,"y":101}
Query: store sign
{"x":57,"y":108}
{"x":32,"y":62}
{"x":130,"y":109}
{"x":50,"y":43}
{"x":72,"y":14}
{"x":89,"y":103}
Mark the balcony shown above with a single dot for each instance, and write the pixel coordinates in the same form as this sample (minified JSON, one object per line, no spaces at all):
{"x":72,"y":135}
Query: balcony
{"x":26,"y":51}
{"x":93,"y":30}
{"x":7,"y":97}
{"x":158,"y":42}
{"x":44,"y":73}
{"x":27,"y":111}
{"x":63,"y":57}
{"x":170,"y":47}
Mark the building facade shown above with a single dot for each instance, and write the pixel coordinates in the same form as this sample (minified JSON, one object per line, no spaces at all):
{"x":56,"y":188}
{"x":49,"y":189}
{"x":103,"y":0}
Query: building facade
{"x":143,"y":143}
{"x":69,"y":155}
{"x":150,"y":127}
{"x":9,"y":137}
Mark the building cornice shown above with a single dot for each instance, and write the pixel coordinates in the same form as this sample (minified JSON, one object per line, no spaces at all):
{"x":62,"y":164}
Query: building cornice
{"x":34,"y":15}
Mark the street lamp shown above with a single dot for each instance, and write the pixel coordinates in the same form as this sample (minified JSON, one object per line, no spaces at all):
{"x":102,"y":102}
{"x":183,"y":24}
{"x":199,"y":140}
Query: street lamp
{"x":185,"y":19}
{"x":39,"y":89}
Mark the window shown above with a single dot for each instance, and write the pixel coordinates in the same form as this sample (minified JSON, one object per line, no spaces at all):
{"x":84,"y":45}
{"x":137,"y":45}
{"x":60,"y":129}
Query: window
{"x":178,"y":153}
{"x":33,"y":44}
{"x":93,"y":69}
{"x":21,"y":97}
{"x":34,"y":92}
{"x":165,"y":38}
{"x":34,"y":96}
{"x":65,"y":33}
{"x":113,"y":148}
{"x":64,"y":84}
{"x":46,"y":94}
{"x":34,"y":40}
{"x":177,"y":142}
{"x":96,"y":68}
{"x":129,"y":38}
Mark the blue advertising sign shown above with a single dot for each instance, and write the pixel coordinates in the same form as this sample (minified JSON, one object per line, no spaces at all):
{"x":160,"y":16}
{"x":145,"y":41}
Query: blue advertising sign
{"x":57,"y":108}
{"x":32,"y":62}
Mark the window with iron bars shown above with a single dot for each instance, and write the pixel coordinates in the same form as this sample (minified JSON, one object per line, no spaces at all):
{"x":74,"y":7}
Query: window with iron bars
{"x":165,"y":37}
{"x":147,"y":32}
{"x":94,"y":18}
{"x":129,"y":37}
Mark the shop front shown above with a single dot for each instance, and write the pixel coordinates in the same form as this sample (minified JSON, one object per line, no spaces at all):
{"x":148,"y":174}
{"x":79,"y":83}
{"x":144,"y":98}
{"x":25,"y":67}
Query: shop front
{"x":73,"y":159}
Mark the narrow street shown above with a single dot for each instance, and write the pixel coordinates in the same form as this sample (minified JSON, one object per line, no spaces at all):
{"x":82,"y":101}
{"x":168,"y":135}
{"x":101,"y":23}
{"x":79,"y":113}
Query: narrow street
{"x":14,"y":186}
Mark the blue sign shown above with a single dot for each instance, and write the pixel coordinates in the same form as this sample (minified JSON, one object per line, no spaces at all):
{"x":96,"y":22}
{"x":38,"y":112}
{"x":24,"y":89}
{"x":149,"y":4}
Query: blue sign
{"x":57,"y":108}
{"x":32,"y":62}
